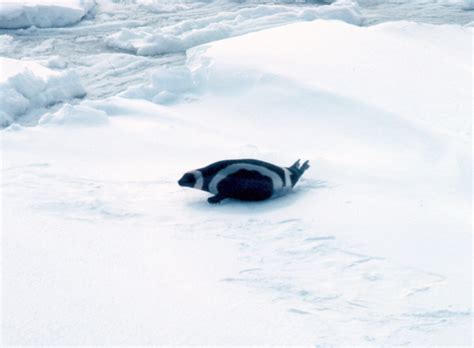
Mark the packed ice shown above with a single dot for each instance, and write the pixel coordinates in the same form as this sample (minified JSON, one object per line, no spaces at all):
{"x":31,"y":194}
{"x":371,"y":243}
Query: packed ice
{"x":42,"y":13}
{"x":28,"y":88}
{"x":193,"y":32}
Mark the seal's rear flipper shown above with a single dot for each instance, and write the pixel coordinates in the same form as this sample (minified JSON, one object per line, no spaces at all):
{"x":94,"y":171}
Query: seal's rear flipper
{"x":296,"y":165}
{"x":297,"y":172}
{"x":304,"y":167}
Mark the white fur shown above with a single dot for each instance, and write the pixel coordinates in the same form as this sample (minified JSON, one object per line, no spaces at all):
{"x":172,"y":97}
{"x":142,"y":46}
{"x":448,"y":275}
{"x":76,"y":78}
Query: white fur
{"x":287,"y":178}
{"x":199,"y":179}
{"x":278,"y":184}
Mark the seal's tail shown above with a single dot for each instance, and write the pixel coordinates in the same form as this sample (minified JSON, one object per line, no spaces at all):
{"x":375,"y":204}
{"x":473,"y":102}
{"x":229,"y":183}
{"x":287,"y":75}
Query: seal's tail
{"x":297,"y":171}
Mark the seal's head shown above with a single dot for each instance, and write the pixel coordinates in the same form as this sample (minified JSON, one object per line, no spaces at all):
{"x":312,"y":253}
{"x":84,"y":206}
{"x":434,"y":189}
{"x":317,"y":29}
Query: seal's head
{"x":192,"y":179}
{"x":188,"y":180}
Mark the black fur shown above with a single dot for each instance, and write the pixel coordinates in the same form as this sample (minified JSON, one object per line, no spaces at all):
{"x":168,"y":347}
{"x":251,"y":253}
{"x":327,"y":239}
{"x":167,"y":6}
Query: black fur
{"x":246,"y":185}
{"x":212,"y":169}
{"x":187,"y":180}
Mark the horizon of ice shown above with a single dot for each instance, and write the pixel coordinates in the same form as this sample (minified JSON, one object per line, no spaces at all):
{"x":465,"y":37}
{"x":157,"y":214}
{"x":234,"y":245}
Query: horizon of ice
{"x":16,"y":14}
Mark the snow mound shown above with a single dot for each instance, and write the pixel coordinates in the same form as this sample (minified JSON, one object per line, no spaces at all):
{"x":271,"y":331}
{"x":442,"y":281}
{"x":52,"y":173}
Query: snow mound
{"x":75,"y":115}
{"x":193,"y":32}
{"x":167,"y":86}
{"x":26,"y":87}
{"x":42,"y":13}
{"x":56,"y":62}
{"x":387,"y":85}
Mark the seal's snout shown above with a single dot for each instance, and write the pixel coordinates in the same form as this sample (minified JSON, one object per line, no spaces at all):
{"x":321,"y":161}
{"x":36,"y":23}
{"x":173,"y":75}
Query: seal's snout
{"x":187,"y":180}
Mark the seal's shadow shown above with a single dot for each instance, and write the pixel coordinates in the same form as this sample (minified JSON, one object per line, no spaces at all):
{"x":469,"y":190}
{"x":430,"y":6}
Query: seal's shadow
{"x":303,"y":188}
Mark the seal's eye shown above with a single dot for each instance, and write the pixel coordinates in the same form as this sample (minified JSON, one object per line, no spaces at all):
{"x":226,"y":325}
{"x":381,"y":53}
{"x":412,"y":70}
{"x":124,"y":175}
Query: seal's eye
{"x":188,"y":180}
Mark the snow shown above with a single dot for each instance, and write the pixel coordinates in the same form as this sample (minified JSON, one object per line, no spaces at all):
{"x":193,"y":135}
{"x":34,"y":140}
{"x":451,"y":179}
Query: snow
{"x":167,"y":85}
{"x":27,"y":87}
{"x":74,"y":115}
{"x":355,"y":109}
{"x":5,"y":41}
{"x":56,"y":62}
{"x":193,"y":32}
{"x":424,"y":11}
{"x":169,"y":6}
{"x":372,"y":247}
{"x":468,"y":5}
{"x":465,"y":4}
{"x":349,"y":73}
{"x":42,"y":13}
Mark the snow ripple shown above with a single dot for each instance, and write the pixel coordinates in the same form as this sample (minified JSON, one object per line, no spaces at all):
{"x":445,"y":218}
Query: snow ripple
{"x":313,"y":273}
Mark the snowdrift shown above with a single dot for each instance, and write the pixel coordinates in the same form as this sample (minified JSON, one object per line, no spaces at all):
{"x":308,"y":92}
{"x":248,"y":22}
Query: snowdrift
{"x":167,"y":85}
{"x":417,"y":91}
{"x":42,"y":13}
{"x":75,"y":116}
{"x":27,"y":88}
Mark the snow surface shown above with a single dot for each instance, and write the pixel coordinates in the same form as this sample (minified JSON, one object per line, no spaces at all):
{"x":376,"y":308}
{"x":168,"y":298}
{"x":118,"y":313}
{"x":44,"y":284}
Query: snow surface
{"x":74,"y":115}
{"x":42,"y":13}
{"x":26,"y":88}
{"x":373,"y":247}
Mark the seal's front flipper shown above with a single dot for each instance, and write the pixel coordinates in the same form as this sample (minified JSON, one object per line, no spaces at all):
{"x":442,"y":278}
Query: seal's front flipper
{"x":215,"y":199}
